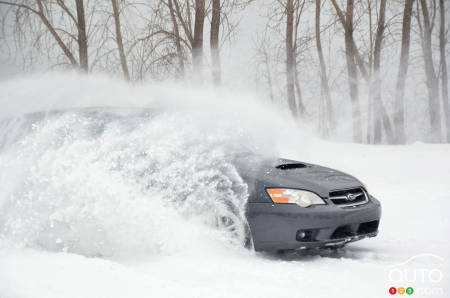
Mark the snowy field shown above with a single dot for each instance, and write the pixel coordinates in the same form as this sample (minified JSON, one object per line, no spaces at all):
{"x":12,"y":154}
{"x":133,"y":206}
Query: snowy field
{"x":56,"y":173}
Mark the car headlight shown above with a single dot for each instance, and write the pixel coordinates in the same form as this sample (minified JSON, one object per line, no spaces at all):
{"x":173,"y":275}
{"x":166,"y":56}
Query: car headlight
{"x":302,"y":198}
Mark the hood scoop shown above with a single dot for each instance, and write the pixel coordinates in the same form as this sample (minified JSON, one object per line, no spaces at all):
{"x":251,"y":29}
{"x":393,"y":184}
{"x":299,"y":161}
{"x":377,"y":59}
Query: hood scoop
{"x":291,"y":166}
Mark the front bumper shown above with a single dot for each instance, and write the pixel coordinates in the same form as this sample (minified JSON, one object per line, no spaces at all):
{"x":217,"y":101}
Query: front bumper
{"x":289,"y":226}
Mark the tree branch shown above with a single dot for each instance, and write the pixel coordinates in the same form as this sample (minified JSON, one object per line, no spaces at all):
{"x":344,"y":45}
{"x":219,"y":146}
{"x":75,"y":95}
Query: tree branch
{"x":20,"y":6}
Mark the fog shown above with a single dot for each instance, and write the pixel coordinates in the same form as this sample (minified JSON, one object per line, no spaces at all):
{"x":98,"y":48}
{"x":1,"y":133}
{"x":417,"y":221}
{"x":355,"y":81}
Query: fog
{"x":113,"y":187}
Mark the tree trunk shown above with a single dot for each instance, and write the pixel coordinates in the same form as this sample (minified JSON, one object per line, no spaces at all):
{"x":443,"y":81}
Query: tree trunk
{"x":214,"y":42}
{"x":123,"y":59}
{"x":444,"y":76}
{"x":324,"y":87}
{"x":432,"y":81}
{"x":370,"y":101}
{"x":352,"y":74}
{"x":358,"y":58}
{"x":269,"y":82}
{"x":197,"y":45}
{"x":399,"y":115}
{"x":290,"y":58}
{"x":301,"y":107}
{"x":177,"y":39}
{"x":50,"y":28}
{"x":185,"y":24}
{"x":82,"y":39}
{"x":362,"y":68}
{"x":376,"y":69}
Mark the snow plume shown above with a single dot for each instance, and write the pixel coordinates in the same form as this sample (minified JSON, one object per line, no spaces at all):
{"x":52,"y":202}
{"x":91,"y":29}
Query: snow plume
{"x":122,"y":181}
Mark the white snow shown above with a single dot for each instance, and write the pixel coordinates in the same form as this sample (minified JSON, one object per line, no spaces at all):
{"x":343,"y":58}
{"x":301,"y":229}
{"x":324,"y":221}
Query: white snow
{"x":145,"y":249}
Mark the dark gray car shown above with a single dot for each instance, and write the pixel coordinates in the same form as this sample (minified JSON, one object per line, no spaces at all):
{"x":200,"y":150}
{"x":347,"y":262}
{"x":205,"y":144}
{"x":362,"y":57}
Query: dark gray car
{"x":296,"y":205}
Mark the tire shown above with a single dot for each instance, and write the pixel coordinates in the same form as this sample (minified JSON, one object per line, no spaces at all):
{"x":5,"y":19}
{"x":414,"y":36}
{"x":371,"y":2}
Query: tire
{"x":235,"y":226}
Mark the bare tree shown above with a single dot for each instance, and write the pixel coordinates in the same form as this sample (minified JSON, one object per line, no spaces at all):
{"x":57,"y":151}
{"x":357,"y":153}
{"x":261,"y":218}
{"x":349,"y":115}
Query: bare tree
{"x":269,"y":75}
{"x":357,"y":55}
{"x":432,"y":81}
{"x":41,"y":11}
{"x":190,"y":17}
{"x":82,"y":38}
{"x":325,"y":89}
{"x":177,"y":37}
{"x":214,"y":41}
{"x":44,"y":10}
{"x":352,"y":74}
{"x":399,"y":116}
{"x":364,"y":73}
{"x":376,"y":68}
{"x":444,"y":76}
{"x":123,"y":59}
{"x":263,"y":62}
{"x":290,"y":60}
{"x":298,"y":10}
{"x":197,"y":44}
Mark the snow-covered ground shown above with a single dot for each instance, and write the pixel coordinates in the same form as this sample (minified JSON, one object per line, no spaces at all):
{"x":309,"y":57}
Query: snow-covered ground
{"x":165,"y":255}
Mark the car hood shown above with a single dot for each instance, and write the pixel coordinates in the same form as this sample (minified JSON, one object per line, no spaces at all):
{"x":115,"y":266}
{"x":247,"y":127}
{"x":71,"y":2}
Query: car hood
{"x":298,"y":175}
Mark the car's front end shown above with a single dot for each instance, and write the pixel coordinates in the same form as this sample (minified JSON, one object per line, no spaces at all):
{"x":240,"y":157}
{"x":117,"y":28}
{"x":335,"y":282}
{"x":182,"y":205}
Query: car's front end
{"x":295,"y":205}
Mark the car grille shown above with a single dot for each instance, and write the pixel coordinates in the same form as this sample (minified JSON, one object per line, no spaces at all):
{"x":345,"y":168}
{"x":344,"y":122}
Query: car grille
{"x":349,"y":197}
{"x":351,"y":230}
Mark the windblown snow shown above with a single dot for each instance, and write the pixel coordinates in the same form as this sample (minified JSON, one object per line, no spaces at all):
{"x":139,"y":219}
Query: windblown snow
{"x":118,"y":201}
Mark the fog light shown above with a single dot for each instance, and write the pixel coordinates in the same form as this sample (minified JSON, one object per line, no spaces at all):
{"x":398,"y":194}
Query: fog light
{"x":306,"y":235}
{"x":300,"y":234}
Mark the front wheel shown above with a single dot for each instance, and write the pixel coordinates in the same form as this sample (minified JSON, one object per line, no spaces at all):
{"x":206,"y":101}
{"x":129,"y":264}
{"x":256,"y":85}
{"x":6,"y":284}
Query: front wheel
{"x":234,"y":227}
